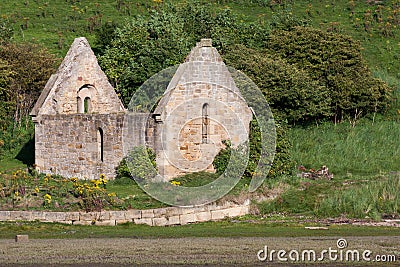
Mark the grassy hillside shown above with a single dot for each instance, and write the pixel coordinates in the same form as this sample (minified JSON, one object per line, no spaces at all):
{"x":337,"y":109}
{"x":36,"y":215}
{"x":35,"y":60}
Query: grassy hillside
{"x":56,"y":23}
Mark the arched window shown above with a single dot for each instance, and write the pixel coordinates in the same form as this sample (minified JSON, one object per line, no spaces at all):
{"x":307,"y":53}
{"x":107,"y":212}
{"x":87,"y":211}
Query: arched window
{"x":100,"y":144}
{"x":87,"y":105}
{"x":85,"y":96}
{"x":205,"y":123}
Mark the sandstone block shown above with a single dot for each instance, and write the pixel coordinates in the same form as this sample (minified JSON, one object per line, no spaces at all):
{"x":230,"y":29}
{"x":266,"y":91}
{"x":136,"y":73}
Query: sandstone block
{"x":218,"y":214}
{"x":245,"y":210}
{"x":5,"y":215}
{"x":172,"y":211}
{"x":203,"y":216}
{"x":83,"y":222}
{"x":66,"y":222}
{"x":160,"y":212}
{"x":72,"y":216}
{"x":20,"y":216}
{"x":117,"y":215}
{"x":88,"y":216}
{"x":38,"y":215}
{"x":174,"y":220}
{"x":105,"y":223}
{"x":54,"y":216}
{"x":133,"y":214}
{"x":234,"y":212}
{"x":186,"y":210}
{"x":187,"y":218}
{"x":161,"y":221}
{"x":148,"y":221}
{"x":147,"y":214}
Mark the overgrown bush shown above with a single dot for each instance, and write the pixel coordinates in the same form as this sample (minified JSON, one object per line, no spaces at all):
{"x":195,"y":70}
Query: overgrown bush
{"x":290,"y":91}
{"x":336,"y":63}
{"x":282,"y":164}
{"x":139,"y":164}
{"x":24,"y":71}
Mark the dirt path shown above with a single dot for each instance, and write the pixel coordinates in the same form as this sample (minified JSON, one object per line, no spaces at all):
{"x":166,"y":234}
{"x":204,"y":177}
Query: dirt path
{"x":183,"y":251}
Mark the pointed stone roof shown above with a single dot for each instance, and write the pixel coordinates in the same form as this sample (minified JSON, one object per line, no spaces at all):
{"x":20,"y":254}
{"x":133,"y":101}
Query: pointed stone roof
{"x":203,"y":65}
{"x":79,"y":69}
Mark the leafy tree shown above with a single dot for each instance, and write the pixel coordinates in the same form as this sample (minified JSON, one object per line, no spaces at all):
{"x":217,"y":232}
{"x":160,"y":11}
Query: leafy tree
{"x":24,"y":71}
{"x":104,"y":36}
{"x":29,"y":67}
{"x":290,"y":91}
{"x":335,"y":61}
{"x":141,"y":48}
{"x":144,"y":46}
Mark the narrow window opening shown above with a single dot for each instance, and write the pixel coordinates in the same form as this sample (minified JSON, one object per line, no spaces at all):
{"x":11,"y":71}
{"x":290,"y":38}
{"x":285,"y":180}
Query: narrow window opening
{"x":80,"y":105}
{"x":87,"y":105}
{"x":100,"y":143}
{"x":205,"y":124}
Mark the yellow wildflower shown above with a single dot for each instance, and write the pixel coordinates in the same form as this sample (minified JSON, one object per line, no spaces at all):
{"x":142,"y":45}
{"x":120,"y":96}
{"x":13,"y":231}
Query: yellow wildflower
{"x":47,"y":198}
{"x":176,"y":183}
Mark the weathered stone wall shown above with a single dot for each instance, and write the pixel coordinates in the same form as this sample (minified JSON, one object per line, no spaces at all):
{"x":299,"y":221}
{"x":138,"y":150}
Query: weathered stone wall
{"x":79,"y":145}
{"x":201,"y":107}
{"x":152,"y":217}
{"x":78,"y":77}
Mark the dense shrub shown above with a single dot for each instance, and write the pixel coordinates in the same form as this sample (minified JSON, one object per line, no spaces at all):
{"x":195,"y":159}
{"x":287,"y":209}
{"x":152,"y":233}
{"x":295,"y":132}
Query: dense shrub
{"x":24,"y":71}
{"x":282,"y":164}
{"x":289,"y":90}
{"x":139,"y":164}
{"x":336,"y":63}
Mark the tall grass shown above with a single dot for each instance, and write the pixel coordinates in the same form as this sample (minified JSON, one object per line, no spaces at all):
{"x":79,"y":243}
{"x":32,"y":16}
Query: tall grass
{"x":374,"y":199}
{"x":367,"y":149}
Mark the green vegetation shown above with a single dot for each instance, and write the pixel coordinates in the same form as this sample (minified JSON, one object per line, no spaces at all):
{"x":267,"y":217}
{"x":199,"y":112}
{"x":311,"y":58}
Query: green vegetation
{"x":366,"y":149}
{"x":262,"y":228}
{"x":365,"y":163}
{"x":352,"y":197}
{"x":30,"y":191}
{"x":317,"y":63}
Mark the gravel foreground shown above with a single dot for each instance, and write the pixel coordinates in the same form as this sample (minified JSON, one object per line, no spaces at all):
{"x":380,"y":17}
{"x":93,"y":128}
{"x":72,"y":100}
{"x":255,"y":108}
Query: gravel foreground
{"x":184,"y":251}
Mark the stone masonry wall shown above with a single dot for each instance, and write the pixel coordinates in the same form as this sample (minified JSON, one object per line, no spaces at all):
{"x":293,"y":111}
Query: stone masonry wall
{"x":201,"y":107}
{"x":73,"y":145}
{"x":152,"y":217}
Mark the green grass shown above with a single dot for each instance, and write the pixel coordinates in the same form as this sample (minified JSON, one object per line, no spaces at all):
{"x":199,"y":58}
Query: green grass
{"x":8,"y":165}
{"x":367,"y":149}
{"x":372,"y":199}
{"x":56,"y":23}
{"x":211,"y":229}
{"x":366,"y":165}
{"x":361,"y":197}
{"x":132,"y":195}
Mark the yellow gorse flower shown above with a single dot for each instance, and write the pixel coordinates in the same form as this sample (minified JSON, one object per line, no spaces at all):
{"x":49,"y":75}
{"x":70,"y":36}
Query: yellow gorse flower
{"x":176,"y":183}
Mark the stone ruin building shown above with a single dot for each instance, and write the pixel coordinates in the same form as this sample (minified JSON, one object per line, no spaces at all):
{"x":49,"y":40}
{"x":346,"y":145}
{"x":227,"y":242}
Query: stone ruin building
{"x":80,"y":122}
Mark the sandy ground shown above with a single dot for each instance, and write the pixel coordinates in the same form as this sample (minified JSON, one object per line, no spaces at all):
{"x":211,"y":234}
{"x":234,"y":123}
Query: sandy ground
{"x":182,"y":251}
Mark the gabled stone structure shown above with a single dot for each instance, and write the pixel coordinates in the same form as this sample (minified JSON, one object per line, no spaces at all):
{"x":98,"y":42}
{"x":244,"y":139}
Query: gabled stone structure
{"x":79,"y":119}
{"x":201,"y":107}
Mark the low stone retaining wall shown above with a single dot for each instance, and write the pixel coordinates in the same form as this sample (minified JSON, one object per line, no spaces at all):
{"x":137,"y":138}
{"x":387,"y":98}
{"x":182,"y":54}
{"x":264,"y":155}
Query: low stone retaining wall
{"x":153,"y":217}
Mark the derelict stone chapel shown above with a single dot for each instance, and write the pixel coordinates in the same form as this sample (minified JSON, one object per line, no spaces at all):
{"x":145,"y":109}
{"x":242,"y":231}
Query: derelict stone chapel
{"x":80,"y":121}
